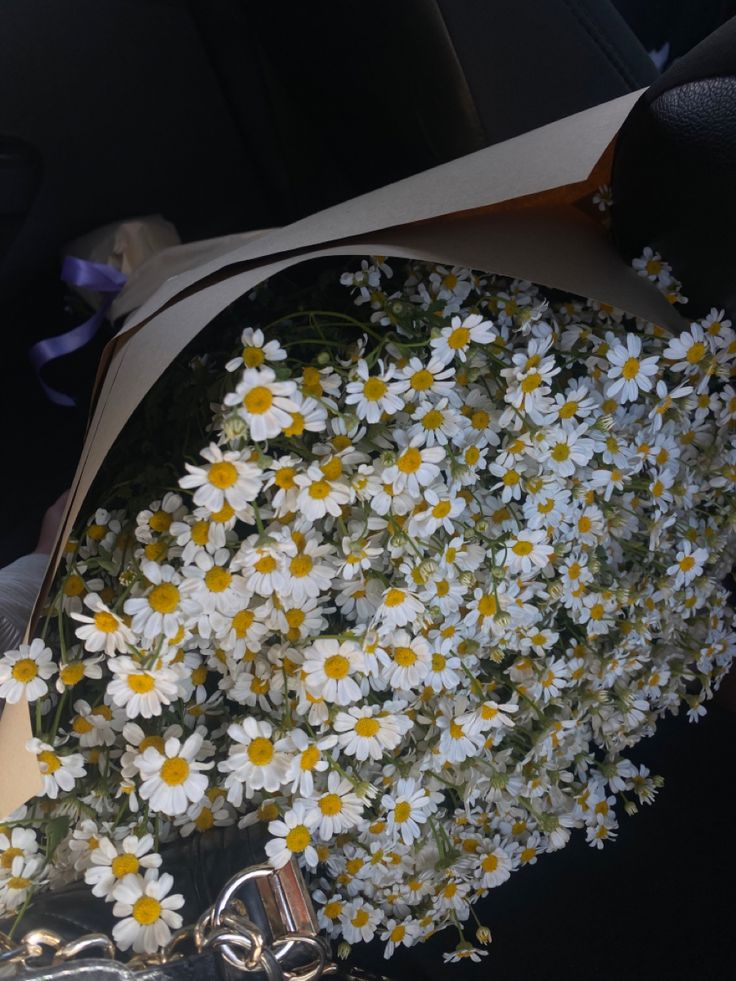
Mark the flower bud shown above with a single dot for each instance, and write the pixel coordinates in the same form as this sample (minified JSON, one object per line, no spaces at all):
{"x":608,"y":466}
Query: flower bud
{"x":234,"y":427}
{"x":343,"y":950}
{"x":483,"y":935}
{"x":323,"y":358}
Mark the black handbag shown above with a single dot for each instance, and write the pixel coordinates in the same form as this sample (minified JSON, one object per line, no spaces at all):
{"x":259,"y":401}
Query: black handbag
{"x":258,"y":923}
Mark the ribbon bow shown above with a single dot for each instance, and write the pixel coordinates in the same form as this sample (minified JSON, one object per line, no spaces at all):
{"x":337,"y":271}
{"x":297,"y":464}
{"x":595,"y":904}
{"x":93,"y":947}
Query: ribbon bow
{"x":92,"y":276}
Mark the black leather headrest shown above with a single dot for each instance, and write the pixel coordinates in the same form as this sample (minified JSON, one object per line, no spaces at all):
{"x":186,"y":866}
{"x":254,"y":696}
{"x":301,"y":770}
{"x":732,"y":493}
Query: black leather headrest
{"x":674,"y":173}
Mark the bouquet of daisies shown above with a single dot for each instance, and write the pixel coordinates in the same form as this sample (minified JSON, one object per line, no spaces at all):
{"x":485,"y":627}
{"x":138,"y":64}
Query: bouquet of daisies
{"x":442,"y":556}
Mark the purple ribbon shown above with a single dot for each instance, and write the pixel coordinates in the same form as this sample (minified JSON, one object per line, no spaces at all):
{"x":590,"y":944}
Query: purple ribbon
{"x":91,"y":276}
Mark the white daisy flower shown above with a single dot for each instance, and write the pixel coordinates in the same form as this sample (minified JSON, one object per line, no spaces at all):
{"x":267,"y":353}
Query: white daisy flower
{"x":431,"y":380}
{"x":494,"y":865}
{"x":209,"y":585}
{"x":256,"y":350}
{"x":159,"y":610}
{"x":688,"y":350}
{"x":400,"y":933}
{"x":157,"y":520}
{"x":24,"y":672}
{"x":406,"y":662}
{"x":146,"y":911}
{"x":318,"y":496}
{"x":309,"y":416}
{"x":688,"y":565}
{"x":59,"y":772}
{"x":374,"y":395}
{"x":629,"y":372}
{"x":228,"y":478}
{"x":416,"y":465}
{"x":457,"y":743}
{"x":292,"y":836}
{"x":369,"y":732}
{"x":173,"y":780}
{"x":73,"y":671}
{"x":444,"y":673}
{"x":17,"y":885}
{"x":359,"y":921}
{"x":306,"y":575}
{"x":15,"y":842}
{"x":110,"y":864}
{"x":328,"y":666}
{"x":211,"y":811}
{"x":264,"y":403}
{"x":95,"y":726}
{"x":455,"y":341}
{"x":435,"y":423}
{"x":103,"y":631}
{"x":262,"y":563}
{"x":528,"y":551}
{"x":308,"y":761}
{"x":566,"y":448}
{"x":407,"y":807}
{"x":142,"y":690}
{"x":255,"y":762}
{"x":336,"y":810}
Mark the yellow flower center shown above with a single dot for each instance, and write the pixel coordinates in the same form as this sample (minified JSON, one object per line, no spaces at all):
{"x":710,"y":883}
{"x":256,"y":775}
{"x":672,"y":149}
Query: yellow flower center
{"x":585,"y":524}
{"x":410,"y":460}
{"x":295,"y":618}
{"x":333,"y":909}
{"x":441,"y":509}
{"x":24,"y":670}
{"x":630,"y":368}
{"x":398,"y":933}
{"x":82,"y":726}
{"x":49,"y":760}
{"x":242,"y":622}
{"x":330,"y":805}
{"x":141,"y":683}
{"x":489,"y":863}
{"x":222,"y":475}
{"x":106,"y":622}
{"x":472,"y":455}
{"x":374,"y":389}
{"x":394,"y":597}
{"x":360,"y":919}
{"x":421,"y":380}
{"x":531,"y":383}
{"x":596,"y":611}
{"x":402,"y":811}
{"x":146,"y":910}
{"x":164,"y":598}
{"x":296,"y":427}
{"x":568,"y":410}
{"x":260,"y":751}
{"x":458,"y":339}
{"x":433,"y":419}
{"x":124,"y":864}
{"x":253,"y":357}
{"x":336,"y":667}
{"x":204,"y":820}
{"x":309,"y":758}
{"x":17,"y":882}
{"x":217,"y":579}
{"x":96,"y":532}
{"x":439,"y":662}
{"x":696,"y":352}
{"x":367,"y":727}
{"x":522,"y":548}
{"x":319,"y":490}
{"x":224,"y":514}
{"x":301,"y":565}
{"x":487,"y":606}
{"x":175,"y":771}
{"x":160,"y":521}
{"x":511,"y":478}
{"x":258,"y":400}
{"x":298,"y":838}
{"x":560,"y":452}
{"x":6,"y":859}
{"x":404,"y":657}
{"x":687,"y":563}
{"x":74,"y":586}
{"x":266,"y":564}
{"x":456,"y":730}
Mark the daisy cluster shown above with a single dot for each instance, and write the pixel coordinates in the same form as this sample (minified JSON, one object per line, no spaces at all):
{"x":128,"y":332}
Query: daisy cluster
{"x":443,"y":560}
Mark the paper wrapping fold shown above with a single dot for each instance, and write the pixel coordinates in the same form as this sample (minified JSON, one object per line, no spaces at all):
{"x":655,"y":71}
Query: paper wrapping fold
{"x":508,"y":209}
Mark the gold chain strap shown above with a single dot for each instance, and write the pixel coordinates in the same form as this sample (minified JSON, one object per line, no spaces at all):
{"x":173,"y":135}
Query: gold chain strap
{"x":224,"y":928}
